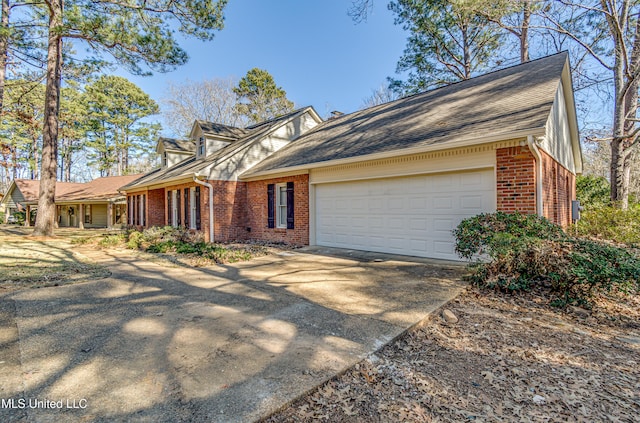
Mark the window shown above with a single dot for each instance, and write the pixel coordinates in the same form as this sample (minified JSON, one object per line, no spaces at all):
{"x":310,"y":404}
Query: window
{"x":87,"y":213}
{"x":201,"y":147}
{"x":192,"y":202}
{"x":281,"y":205}
{"x":164,"y":159}
{"x":280,"y":210}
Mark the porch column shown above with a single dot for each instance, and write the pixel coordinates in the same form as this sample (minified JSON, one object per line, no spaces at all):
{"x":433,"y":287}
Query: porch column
{"x":109,"y":215}
{"x":27,"y":217}
{"x":81,"y":216}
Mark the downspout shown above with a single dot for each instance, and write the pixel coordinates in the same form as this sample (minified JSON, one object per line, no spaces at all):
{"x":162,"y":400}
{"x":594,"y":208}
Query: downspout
{"x":208,"y":185}
{"x":536,"y":154}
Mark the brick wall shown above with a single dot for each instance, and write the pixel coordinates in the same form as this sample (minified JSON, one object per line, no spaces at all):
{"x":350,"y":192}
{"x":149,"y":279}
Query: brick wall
{"x":229,"y":210}
{"x":558,"y":189}
{"x":257,"y":211}
{"x":516,"y":184}
{"x":156,"y":208}
{"x":515,"y":180}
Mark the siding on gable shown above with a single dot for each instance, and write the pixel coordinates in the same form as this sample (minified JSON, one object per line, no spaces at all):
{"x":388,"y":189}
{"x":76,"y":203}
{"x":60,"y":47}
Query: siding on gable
{"x":557,"y":143}
{"x":255,"y":153}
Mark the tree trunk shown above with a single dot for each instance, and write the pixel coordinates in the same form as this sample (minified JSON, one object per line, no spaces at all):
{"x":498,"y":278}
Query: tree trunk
{"x":4,"y":47}
{"x":67,"y":163}
{"x":45,"y":220}
{"x":466,"y":51}
{"x":524,"y":31}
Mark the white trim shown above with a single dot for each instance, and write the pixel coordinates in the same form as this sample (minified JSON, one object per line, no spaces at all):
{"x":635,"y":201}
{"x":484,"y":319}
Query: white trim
{"x":141,"y":209}
{"x":174,"y":208}
{"x":211,"y":216}
{"x":400,"y":175}
{"x":279,"y":206}
{"x":536,"y":154}
{"x":405,"y":152}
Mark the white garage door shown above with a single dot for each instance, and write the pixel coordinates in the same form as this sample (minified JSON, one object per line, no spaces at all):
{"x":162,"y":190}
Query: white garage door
{"x":409,"y":215}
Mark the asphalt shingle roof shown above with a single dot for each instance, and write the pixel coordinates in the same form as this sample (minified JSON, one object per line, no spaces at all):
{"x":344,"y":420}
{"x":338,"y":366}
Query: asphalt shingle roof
{"x":194,"y":165}
{"x":98,"y":189}
{"x":212,"y":128}
{"x":516,"y":98}
{"x":172,"y":144}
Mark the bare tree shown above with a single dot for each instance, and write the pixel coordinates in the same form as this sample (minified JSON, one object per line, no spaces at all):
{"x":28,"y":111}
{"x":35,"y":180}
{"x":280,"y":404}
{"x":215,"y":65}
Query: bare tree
{"x":613,"y":40}
{"x":382,"y":94}
{"x":210,"y":100}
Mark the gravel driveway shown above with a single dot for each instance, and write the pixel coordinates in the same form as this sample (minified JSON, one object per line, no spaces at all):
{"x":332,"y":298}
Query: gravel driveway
{"x":155,"y":342}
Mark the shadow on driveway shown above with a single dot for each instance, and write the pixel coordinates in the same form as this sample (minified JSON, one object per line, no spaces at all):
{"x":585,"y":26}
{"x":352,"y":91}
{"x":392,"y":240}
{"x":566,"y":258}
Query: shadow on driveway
{"x":227,"y":343}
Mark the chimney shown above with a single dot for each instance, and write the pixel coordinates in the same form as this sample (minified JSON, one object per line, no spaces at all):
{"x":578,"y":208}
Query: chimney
{"x":335,"y":114}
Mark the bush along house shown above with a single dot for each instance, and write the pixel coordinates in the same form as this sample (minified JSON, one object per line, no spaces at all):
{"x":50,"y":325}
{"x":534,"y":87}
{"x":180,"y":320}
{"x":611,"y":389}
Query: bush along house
{"x":395,"y":178}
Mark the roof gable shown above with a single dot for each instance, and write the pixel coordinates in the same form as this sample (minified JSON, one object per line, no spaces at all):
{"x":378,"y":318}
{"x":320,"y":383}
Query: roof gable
{"x":514,"y":99}
{"x":175,"y":145}
{"x":224,"y":156}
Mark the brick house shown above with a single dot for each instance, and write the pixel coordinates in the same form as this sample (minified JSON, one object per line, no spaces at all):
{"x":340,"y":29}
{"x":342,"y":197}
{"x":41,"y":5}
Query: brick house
{"x":394,"y":178}
{"x":93,"y":204}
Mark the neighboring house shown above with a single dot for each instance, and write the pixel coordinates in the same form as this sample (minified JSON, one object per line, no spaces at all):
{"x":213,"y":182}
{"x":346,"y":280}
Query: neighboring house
{"x":95,"y":204}
{"x":393,"y":178}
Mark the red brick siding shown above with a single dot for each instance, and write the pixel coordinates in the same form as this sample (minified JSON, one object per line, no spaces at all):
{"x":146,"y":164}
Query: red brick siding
{"x":257,"y":211}
{"x":558,"y":188}
{"x":515,"y":180}
{"x":516,"y":184}
{"x":156,"y":207}
{"x":229,"y":210}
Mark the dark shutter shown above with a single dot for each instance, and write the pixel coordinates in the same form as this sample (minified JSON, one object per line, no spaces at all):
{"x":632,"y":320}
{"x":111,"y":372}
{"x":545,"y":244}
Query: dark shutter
{"x":169,"y":209}
{"x":187,"y":215}
{"x":198,"y":225}
{"x":129,"y":211}
{"x":136,"y":202}
{"x":178,"y":208}
{"x":144,"y":209}
{"x":271,"y":221}
{"x":290,"y":207}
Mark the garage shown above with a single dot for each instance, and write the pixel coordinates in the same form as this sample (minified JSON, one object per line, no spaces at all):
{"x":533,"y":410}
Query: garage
{"x":412,"y":215}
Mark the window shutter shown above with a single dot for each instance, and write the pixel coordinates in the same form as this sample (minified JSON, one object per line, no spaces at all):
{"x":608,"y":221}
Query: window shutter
{"x":169,"y":209}
{"x":178,"y":208}
{"x":290,"y":208}
{"x":271,"y":221}
{"x":136,"y":200}
{"x":144,"y":213}
{"x":198,"y":226}
{"x":187,"y":215}
{"x":129,"y":222}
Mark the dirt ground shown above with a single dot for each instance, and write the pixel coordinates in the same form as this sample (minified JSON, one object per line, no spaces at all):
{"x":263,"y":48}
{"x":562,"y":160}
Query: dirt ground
{"x":496,"y":358}
{"x":505,"y":359}
{"x":27,"y":262}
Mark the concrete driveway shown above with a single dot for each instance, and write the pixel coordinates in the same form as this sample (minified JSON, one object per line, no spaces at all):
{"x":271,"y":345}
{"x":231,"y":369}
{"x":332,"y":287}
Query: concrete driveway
{"x":229,"y":343}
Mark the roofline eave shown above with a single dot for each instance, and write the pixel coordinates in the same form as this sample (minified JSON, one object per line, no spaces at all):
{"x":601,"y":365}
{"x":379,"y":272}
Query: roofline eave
{"x":540,"y":131}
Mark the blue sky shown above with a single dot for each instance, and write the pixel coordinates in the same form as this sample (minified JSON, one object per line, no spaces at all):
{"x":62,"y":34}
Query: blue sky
{"x":312,"y":48}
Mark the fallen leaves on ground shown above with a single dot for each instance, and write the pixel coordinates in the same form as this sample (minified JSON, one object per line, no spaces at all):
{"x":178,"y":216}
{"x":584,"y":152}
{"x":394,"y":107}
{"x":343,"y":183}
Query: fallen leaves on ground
{"x":507,"y":359}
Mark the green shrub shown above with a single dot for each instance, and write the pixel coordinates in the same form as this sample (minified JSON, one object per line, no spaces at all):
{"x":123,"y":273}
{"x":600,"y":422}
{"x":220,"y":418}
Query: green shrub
{"x":593,"y":191}
{"x":484,"y":233}
{"x":134,"y":240}
{"x":112,"y":240}
{"x":161,"y":247}
{"x":610,"y":223}
{"x":524,"y":253}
